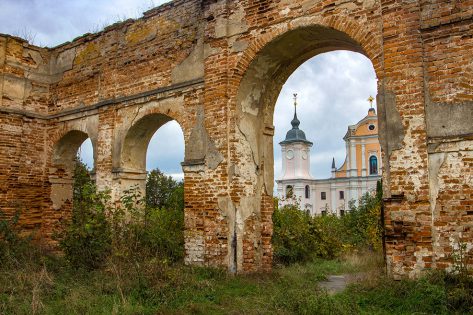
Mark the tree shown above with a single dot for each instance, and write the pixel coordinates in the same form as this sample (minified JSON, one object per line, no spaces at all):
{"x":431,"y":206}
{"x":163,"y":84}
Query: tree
{"x":82,"y":180}
{"x":163,"y":191}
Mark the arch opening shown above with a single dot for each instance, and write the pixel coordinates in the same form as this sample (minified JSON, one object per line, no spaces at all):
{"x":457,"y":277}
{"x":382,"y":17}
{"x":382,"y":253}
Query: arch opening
{"x":255,"y":101}
{"x":150,"y":166}
{"x":152,"y":152}
{"x":73,"y":160}
{"x":135,"y":146}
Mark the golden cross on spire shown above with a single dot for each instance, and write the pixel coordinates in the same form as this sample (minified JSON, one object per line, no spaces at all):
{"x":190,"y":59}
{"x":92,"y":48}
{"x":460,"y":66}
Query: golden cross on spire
{"x":371,"y":99}
{"x":295,"y":100}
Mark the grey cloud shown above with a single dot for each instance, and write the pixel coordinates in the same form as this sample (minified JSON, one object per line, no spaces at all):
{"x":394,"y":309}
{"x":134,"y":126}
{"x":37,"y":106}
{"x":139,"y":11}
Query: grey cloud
{"x":54,"y":22}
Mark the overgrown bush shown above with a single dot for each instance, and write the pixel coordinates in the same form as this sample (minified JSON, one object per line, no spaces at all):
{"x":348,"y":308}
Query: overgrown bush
{"x":298,"y":237}
{"x":130,"y":231}
{"x":164,"y":220}
{"x":86,"y":238}
{"x":140,"y":231}
{"x":162,"y":234}
{"x":12,"y":245}
{"x":293,"y":237}
{"x":362,"y":224}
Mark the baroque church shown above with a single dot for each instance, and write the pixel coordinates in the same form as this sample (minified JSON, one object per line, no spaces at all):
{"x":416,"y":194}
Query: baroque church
{"x":357,"y":175}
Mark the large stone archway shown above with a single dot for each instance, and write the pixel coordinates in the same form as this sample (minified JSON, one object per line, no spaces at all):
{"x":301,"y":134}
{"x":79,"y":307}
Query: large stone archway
{"x":207,"y":64}
{"x":254,"y":101}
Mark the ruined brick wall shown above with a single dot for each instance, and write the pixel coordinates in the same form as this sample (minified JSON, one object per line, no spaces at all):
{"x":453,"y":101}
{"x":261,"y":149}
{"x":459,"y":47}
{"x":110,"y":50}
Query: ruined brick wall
{"x":24,"y":96}
{"x":447,"y":35}
{"x":216,"y":67}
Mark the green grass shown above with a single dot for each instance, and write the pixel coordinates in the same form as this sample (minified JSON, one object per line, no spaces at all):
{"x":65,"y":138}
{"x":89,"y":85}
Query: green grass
{"x":51,"y":287}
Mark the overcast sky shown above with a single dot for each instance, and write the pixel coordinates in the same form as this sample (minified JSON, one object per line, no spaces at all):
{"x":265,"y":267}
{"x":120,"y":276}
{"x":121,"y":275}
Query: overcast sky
{"x":332,"y":88}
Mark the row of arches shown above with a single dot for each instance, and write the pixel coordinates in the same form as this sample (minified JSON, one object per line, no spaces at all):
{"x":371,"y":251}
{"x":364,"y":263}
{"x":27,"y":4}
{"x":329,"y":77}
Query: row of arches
{"x":145,"y":146}
{"x":160,"y":153}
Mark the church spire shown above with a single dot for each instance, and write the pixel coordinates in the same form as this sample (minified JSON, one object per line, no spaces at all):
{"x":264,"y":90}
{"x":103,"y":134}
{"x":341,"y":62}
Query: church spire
{"x":334,"y":168}
{"x":295,"y":134}
{"x":295,"y":122}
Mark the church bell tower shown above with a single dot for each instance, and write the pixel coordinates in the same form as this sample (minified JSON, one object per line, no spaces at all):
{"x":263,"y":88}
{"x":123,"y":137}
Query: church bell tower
{"x":295,"y":151}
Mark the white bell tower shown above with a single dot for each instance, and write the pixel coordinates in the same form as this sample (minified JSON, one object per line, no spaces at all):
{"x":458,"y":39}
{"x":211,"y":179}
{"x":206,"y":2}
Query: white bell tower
{"x":295,"y":151}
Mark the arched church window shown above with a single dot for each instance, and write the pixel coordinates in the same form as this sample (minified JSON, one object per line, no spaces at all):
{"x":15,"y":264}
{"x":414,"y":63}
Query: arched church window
{"x":307,"y":191}
{"x":289,"y":191}
{"x":373,"y":165}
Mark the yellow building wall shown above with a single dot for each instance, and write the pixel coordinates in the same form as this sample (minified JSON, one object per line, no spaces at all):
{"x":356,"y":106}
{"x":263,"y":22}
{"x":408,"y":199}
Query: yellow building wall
{"x":358,"y":159}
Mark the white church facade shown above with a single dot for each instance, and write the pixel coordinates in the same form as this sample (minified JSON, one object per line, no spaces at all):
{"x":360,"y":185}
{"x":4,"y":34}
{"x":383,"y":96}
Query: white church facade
{"x":357,"y":175}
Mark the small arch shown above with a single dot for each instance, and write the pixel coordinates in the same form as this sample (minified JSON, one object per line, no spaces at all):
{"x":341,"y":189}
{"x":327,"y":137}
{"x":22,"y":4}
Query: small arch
{"x":65,"y":150}
{"x":373,"y":165}
{"x":64,"y":158}
{"x":135,"y":145}
{"x":307,"y":192}
{"x":131,"y":172}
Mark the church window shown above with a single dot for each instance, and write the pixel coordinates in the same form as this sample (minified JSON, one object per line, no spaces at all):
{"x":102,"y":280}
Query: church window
{"x":371,"y":127}
{"x":289,"y":191}
{"x":373,"y":165}
{"x":323,"y":195}
{"x":342,"y":194}
{"x":307,"y":192}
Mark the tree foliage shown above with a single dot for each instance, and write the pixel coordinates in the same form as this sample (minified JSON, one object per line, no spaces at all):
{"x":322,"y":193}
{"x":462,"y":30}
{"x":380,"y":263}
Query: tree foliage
{"x":363,"y":222}
{"x":161,"y":190}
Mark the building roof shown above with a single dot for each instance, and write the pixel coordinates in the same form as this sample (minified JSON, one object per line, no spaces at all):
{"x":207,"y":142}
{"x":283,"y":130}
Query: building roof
{"x":354,"y":130}
{"x":295,"y":134}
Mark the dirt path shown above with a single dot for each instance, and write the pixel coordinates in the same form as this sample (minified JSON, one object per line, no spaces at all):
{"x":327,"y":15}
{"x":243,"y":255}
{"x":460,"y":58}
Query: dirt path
{"x":334,"y":284}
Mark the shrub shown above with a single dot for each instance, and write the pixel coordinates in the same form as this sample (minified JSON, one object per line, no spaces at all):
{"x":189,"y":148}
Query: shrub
{"x":12,"y":245}
{"x":140,"y":231}
{"x":162,"y":234}
{"x":362,"y":224}
{"x":86,"y":238}
{"x":128,"y":231}
{"x":293,"y":239}
{"x":329,"y":232}
{"x":299,"y":237}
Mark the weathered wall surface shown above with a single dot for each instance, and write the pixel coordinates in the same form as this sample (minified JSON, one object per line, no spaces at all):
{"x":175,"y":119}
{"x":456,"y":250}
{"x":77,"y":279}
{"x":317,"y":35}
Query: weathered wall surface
{"x":216,"y":67}
{"x":24,"y":92}
{"x":447,"y":34}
